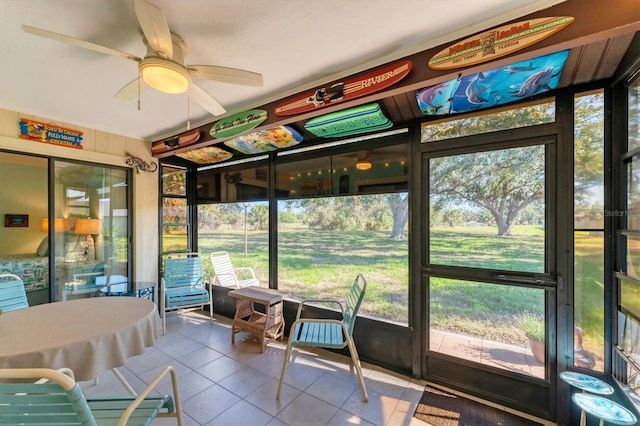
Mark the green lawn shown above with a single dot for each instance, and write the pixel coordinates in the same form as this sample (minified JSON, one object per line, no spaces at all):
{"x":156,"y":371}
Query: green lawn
{"x":323,"y":264}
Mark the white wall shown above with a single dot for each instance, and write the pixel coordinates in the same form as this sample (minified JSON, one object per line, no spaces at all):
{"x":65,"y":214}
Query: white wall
{"x":103,"y":148}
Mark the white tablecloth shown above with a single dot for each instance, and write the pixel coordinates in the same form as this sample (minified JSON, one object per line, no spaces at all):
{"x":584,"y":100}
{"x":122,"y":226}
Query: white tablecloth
{"x":90,"y":336}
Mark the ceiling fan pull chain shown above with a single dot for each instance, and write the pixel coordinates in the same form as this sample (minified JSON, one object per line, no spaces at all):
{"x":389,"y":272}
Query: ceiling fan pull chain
{"x":139,"y":77}
{"x":188,"y":111}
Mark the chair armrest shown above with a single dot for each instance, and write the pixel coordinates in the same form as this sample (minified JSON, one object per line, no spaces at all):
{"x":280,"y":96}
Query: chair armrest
{"x":230,"y":274}
{"x":142,"y":395}
{"x":310,"y":301}
{"x":63,"y":370}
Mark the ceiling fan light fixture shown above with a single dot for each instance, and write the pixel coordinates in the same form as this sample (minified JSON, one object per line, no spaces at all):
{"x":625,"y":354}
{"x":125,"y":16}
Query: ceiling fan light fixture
{"x":164,"y":75}
{"x":363,"y":165}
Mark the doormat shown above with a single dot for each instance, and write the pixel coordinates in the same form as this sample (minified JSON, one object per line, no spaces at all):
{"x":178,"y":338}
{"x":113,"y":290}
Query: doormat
{"x":439,"y":408}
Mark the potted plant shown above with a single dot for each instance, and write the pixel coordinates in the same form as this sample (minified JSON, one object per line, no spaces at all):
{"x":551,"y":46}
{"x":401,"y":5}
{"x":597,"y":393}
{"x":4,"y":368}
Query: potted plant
{"x":533,"y":327}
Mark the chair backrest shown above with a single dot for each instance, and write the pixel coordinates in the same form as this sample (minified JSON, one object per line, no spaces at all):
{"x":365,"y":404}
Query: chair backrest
{"x":183,"y":270}
{"x":223,"y":269}
{"x":12,"y":294}
{"x":354,"y":300}
{"x":58,"y":400}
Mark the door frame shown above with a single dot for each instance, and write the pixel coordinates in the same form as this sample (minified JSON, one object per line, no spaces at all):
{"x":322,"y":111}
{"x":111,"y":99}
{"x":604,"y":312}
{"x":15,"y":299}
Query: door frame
{"x":527,"y":394}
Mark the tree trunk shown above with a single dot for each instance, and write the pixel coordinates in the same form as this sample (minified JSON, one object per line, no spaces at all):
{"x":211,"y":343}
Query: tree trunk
{"x":400,"y":210}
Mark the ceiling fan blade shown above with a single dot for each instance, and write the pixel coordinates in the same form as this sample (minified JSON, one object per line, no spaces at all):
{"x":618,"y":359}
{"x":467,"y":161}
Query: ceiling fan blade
{"x":130,"y":90}
{"x":205,"y":100}
{"x":226,"y":75}
{"x":79,"y":43}
{"x":155,"y":28}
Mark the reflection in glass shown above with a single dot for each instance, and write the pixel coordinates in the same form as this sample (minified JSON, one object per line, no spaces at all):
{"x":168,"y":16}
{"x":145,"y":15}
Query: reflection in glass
{"x":497,"y":325}
{"x":92,"y":202}
{"x":492,"y":204}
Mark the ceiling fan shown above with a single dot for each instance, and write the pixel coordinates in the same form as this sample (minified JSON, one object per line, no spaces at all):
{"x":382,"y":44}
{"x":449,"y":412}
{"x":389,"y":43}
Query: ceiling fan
{"x":163,"y":66}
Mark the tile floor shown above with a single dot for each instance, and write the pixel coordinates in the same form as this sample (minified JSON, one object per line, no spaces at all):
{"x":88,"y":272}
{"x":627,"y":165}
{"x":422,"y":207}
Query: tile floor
{"x":224,"y":384}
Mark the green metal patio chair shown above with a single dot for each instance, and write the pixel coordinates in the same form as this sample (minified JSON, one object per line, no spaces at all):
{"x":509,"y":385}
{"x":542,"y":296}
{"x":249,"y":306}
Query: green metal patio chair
{"x":329,"y":333}
{"x":12,"y":293}
{"x":56,"y":398}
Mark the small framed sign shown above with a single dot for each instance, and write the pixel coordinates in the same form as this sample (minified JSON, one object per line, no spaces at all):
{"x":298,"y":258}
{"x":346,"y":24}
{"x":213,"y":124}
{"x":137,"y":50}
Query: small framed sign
{"x":16,"y":220}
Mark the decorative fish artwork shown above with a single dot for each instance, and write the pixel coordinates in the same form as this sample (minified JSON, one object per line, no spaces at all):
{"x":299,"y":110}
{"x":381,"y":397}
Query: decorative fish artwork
{"x":493,"y":87}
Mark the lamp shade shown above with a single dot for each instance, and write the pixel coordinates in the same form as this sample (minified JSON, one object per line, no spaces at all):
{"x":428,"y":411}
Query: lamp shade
{"x":87,"y":226}
{"x":363,"y":165}
{"x":164,"y":75}
{"x":58,"y":225}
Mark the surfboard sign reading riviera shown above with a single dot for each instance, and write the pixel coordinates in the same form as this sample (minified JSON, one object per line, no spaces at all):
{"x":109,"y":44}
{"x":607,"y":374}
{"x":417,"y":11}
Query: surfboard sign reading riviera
{"x":351,"y":88}
{"x":237,"y":124}
{"x":498,"y":42}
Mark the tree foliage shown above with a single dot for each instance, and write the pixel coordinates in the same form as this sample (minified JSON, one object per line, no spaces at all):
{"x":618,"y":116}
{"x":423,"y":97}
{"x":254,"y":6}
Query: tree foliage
{"x":504,"y":182}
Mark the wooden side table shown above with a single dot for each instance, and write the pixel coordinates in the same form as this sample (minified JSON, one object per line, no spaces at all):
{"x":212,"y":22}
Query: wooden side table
{"x":266,"y":326}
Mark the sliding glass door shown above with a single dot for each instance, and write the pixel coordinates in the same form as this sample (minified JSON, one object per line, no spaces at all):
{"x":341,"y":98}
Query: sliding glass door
{"x":91,"y":231}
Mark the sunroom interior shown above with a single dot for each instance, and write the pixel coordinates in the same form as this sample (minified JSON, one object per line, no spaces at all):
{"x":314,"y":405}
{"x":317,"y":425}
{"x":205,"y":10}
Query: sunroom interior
{"x":478,"y":211}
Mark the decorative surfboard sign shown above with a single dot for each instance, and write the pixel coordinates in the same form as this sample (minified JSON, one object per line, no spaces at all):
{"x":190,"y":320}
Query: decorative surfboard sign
{"x":180,"y":141}
{"x":237,"y":124}
{"x":206,"y":155}
{"x":493,"y":87}
{"x":48,"y":133}
{"x":498,"y":42}
{"x":265,"y":140}
{"x":361,"y":119}
{"x":351,"y":88}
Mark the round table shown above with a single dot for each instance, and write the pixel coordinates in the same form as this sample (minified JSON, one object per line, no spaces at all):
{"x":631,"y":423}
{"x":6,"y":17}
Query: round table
{"x":90,"y":336}
{"x":587,"y":383}
{"x":604,"y":409}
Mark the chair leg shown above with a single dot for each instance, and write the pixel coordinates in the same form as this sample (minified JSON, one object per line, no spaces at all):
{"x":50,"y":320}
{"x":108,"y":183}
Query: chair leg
{"x":356,"y":363}
{"x":287,"y":355}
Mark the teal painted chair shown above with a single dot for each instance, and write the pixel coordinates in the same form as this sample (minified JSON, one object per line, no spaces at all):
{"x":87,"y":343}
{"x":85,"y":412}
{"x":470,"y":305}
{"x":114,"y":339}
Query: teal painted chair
{"x":12,"y":293}
{"x":183,"y":285}
{"x":329,"y":333}
{"x":55,"y":398}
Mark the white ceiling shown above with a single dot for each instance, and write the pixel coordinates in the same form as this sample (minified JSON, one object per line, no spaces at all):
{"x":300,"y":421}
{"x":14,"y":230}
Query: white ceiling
{"x":294,"y":44}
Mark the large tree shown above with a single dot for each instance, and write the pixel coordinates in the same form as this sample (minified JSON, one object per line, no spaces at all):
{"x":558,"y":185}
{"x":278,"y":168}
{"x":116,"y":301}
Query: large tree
{"x":504,"y":182}
{"x":399,"y":204}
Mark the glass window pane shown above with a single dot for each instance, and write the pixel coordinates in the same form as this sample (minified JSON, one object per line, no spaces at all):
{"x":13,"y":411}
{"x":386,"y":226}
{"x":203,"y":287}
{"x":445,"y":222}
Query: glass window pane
{"x":174,"y":211}
{"x":174,"y":181}
{"x":589,"y":300}
{"x":92,"y":204}
{"x":240,"y":229}
{"x":632,"y":213}
{"x":174,"y":238}
{"x":497,"y":325}
{"x":492,"y":204}
{"x":489,"y":121}
{"x":589,"y":161}
{"x":631,"y":261}
{"x":323,"y":243}
{"x":634,"y":115}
